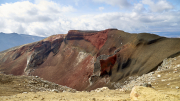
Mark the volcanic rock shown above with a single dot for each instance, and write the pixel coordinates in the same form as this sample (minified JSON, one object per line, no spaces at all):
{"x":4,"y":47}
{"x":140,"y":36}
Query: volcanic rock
{"x":86,"y":60}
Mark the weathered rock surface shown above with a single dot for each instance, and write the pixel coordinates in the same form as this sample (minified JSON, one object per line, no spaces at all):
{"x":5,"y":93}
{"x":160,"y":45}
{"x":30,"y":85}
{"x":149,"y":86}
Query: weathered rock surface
{"x":140,"y":93}
{"x":86,"y":60}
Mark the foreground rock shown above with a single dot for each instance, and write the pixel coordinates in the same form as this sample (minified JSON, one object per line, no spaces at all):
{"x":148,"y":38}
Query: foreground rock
{"x":141,"y":93}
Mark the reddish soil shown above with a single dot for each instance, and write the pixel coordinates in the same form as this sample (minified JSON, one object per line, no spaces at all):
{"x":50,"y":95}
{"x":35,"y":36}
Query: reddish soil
{"x":98,"y":39}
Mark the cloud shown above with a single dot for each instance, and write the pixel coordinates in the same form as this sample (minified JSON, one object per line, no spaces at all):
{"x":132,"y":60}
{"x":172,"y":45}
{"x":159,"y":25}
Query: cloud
{"x":130,"y":22}
{"x":35,"y":19}
{"x":120,"y":3}
{"x":101,"y":8}
{"x":158,"y":6}
{"x":139,"y":7}
{"x":45,"y":18}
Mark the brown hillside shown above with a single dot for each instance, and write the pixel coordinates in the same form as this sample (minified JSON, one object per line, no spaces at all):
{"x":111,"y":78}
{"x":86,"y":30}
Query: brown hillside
{"x":86,"y":60}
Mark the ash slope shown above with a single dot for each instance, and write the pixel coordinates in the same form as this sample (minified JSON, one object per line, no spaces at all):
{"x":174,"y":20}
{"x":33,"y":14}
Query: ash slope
{"x":86,"y":60}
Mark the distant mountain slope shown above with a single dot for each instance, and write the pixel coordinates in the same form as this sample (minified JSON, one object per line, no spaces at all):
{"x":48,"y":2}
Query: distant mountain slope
{"x":13,"y":39}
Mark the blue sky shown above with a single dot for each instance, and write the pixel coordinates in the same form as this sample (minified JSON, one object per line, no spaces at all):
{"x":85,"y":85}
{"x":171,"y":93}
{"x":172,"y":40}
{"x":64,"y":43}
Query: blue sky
{"x":48,"y":17}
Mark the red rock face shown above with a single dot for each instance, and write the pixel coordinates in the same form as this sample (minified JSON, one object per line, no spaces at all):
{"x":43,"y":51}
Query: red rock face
{"x":97,"y":39}
{"x":106,"y":65}
{"x":86,"y":60}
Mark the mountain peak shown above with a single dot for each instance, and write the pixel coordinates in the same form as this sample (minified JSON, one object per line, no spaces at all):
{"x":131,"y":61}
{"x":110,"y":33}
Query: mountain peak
{"x":85,"y":60}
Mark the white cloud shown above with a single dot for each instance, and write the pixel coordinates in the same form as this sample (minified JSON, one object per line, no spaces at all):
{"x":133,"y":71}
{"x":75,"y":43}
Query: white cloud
{"x":130,"y":22}
{"x":139,"y":8}
{"x":35,"y":19}
{"x":120,"y":3}
{"x":46,"y":18}
{"x":101,"y":8}
{"x":158,"y":6}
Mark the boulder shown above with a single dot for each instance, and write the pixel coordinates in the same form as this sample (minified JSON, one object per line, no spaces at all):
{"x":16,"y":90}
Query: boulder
{"x":140,"y":93}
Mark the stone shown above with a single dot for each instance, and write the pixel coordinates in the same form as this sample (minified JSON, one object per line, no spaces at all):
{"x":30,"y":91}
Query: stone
{"x":55,"y":90}
{"x":147,"y":85}
{"x":94,"y":99}
{"x":177,"y":87}
{"x":158,"y":75}
{"x":101,"y":89}
{"x":174,"y":71}
{"x":139,"y":93}
{"x":122,"y":90}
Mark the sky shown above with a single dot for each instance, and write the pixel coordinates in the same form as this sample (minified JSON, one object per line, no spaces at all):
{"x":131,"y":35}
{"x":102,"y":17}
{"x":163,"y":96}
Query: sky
{"x":49,"y":17}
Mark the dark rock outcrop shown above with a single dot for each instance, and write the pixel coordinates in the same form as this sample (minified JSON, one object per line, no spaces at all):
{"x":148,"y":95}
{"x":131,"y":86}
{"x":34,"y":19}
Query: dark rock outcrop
{"x":85,"y":60}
